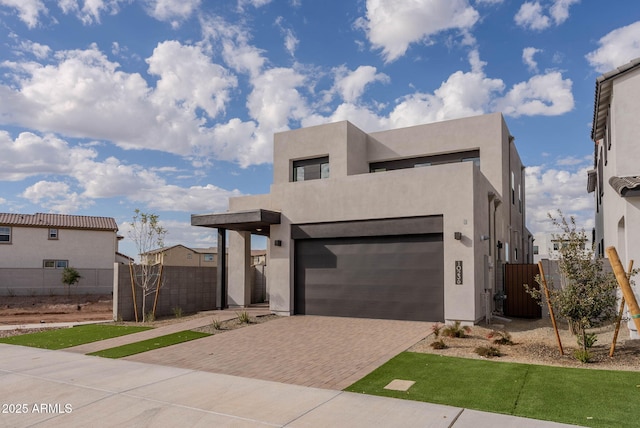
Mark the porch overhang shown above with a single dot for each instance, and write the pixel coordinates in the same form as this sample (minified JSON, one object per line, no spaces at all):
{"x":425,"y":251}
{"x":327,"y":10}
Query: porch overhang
{"x":255,"y":221}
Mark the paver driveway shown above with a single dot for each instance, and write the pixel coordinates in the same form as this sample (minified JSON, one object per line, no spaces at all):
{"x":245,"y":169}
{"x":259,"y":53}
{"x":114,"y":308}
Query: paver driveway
{"x":323,"y":352}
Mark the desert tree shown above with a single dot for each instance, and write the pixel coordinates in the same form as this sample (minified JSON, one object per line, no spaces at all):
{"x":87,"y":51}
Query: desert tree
{"x":147,"y":234}
{"x":70,"y":277}
{"x":586,"y":297}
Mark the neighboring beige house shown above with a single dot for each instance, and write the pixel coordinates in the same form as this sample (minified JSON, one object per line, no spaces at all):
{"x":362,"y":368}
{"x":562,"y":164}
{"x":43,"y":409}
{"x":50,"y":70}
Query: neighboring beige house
{"x":35,"y":246}
{"x":180,"y":255}
{"x":412,"y":223}
{"x":615,"y":179}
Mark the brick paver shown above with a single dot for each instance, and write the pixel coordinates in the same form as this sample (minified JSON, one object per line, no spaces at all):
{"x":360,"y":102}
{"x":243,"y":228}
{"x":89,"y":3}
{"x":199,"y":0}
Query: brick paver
{"x":323,"y":352}
{"x":202,"y":321}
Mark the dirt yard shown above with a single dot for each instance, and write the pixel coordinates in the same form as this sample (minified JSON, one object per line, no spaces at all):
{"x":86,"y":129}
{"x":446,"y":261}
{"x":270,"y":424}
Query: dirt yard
{"x":16,"y":310}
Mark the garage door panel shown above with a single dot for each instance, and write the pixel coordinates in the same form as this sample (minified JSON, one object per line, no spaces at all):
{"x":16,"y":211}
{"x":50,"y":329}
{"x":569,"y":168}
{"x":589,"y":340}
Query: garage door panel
{"x":396,"y":277}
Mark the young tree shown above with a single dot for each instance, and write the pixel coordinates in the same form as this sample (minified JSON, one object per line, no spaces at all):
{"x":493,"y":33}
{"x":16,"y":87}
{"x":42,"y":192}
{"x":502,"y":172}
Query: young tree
{"x":147,"y":234}
{"x":586,"y":298}
{"x":70,"y":277}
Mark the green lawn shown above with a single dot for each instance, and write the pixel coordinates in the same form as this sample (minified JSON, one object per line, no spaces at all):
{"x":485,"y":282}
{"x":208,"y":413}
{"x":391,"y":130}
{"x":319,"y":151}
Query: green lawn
{"x":68,"y":337}
{"x":148,"y":345}
{"x":596,"y":398}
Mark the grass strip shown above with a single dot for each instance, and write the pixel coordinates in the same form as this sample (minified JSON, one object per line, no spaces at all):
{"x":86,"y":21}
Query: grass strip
{"x":149,"y":344}
{"x":595,"y":398}
{"x":68,"y":337}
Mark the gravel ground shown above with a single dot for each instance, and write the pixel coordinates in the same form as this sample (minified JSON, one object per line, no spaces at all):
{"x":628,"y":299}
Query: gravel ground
{"x":535,"y":343}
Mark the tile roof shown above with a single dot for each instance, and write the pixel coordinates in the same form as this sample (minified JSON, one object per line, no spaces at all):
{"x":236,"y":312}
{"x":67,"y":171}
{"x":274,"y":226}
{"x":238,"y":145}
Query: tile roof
{"x":62,"y":221}
{"x":604,"y":89}
{"x":624,"y":185}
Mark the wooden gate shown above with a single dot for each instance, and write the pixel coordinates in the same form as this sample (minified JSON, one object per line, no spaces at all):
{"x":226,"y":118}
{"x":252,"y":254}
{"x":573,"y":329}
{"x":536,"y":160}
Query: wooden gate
{"x":518,"y":302}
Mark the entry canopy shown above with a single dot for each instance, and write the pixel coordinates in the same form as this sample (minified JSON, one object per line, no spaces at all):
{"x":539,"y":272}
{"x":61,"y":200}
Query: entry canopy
{"x":255,"y":221}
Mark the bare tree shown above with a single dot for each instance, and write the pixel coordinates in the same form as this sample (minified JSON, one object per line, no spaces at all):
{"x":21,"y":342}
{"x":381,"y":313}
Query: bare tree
{"x":147,"y":234}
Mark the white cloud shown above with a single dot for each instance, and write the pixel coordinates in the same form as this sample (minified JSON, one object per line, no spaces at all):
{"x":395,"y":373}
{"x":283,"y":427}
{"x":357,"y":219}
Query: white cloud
{"x":531,"y":16}
{"x":76,"y":179}
{"x":38,"y":50}
{"x":527,"y":58}
{"x":174,"y":11}
{"x":616,"y":48}
{"x":547,"y":95}
{"x":290,"y":40}
{"x":489,"y":2}
{"x":28,"y":10}
{"x":534,"y":16}
{"x":549,"y":188}
{"x":351,"y":84}
{"x":188,"y":79}
{"x":88,"y":11}
{"x":392,"y":26}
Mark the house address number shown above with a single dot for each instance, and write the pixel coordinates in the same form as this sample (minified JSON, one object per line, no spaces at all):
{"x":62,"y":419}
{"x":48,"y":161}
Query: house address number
{"x":458,"y":272}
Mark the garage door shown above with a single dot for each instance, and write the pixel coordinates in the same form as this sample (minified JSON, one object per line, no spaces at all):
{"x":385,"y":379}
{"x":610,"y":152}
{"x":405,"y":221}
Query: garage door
{"x":389,"y":277}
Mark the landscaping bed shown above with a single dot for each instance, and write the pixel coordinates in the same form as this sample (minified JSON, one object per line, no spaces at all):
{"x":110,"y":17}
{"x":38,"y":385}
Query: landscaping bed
{"x":16,"y":310}
{"x":535,"y":343}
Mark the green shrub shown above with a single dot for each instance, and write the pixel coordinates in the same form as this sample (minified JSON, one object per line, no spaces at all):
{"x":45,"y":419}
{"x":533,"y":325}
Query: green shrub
{"x":177,"y":312}
{"x":438,"y":344}
{"x":456,"y":330}
{"x":500,"y":337}
{"x":215,"y":324}
{"x":243,"y":317}
{"x":582,"y":355}
{"x":488,"y":351}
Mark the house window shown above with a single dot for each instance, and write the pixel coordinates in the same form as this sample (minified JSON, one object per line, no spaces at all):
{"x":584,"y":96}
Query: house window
{"x":556,"y":246}
{"x":55,"y":264}
{"x":5,"y":235}
{"x":189,"y":256}
{"x":53,"y":233}
{"x":519,"y":198}
{"x":513,"y":188}
{"x":311,"y":169}
{"x":208,"y":257}
{"x":536,"y":250}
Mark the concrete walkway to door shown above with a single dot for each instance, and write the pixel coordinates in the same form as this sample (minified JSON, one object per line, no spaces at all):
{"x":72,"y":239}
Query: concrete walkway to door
{"x":322,"y":352}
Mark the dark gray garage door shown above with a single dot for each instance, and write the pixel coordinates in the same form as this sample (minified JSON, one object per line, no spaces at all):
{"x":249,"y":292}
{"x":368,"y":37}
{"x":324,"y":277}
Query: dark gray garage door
{"x":389,"y":277}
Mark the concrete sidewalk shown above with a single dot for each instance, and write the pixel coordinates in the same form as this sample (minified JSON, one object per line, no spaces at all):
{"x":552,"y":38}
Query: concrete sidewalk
{"x":52,"y":388}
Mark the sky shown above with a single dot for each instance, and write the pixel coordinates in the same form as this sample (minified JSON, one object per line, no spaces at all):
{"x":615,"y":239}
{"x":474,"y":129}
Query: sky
{"x":170,"y":106}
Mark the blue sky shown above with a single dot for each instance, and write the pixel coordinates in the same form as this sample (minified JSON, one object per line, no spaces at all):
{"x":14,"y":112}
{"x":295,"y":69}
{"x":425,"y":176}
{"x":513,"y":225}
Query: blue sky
{"x":170,"y":106}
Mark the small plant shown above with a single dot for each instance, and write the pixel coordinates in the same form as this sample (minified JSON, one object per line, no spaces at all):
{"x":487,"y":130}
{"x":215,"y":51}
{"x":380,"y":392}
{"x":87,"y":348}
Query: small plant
{"x":587,"y":341}
{"x":243,"y":317}
{"x":70,"y":277}
{"x":456,"y":330}
{"x":11,"y":292}
{"x":150,"y":317}
{"x":582,"y":355}
{"x":436,"y":329}
{"x":177,"y":312}
{"x":488,"y":351}
{"x":500,"y":337}
{"x":215,"y":324}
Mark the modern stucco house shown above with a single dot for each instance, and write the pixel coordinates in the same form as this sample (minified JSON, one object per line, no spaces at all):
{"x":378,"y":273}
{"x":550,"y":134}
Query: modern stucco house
{"x":35,"y":247}
{"x":615,"y":179}
{"x":412,"y":223}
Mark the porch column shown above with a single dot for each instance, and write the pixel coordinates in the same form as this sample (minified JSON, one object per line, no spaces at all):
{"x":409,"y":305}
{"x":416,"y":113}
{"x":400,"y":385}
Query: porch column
{"x":239,"y":265}
{"x":221,"y":271}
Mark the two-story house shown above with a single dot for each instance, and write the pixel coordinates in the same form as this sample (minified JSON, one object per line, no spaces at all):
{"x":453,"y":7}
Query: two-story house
{"x":35,"y":247}
{"x":412,"y":223}
{"x":615,"y":179}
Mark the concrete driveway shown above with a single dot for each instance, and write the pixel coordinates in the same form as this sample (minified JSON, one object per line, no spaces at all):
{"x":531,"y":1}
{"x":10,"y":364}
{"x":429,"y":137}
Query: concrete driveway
{"x":322,"y":352}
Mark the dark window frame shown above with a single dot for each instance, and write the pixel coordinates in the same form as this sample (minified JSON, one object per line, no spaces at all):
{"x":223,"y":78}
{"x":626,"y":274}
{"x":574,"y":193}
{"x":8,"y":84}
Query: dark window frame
{"x":8,"y":234}
{"x":312,"y":169}
{"x":55,"y":264}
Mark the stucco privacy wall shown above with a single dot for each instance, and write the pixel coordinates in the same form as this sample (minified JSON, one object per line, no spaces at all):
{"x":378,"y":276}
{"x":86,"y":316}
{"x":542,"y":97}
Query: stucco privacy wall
{"x":48,"y":282}
{"x":190,"y":288}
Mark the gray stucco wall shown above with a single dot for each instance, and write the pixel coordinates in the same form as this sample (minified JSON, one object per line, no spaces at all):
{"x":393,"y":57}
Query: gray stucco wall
{"x":48,"y":282}
{"x":192,"y":289}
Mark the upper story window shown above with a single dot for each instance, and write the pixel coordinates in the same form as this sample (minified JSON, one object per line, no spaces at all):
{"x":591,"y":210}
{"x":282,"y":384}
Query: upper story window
{"x":53,"y":233}
{"x":311,"y":169}
{"x":208,"y":257}
{"x":513,"y":188}
{"x":5,"y":235}
{"x":422,"y":161}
